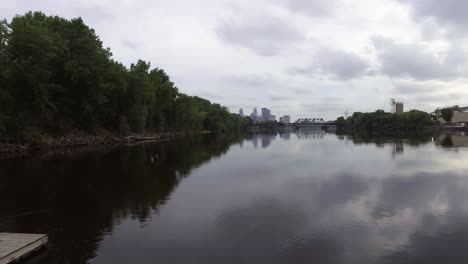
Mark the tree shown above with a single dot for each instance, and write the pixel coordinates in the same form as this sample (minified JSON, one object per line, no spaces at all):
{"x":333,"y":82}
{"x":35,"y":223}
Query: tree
{"x":6,"y":101}
{"x":447,"y":114}
{"x":340,"y":121}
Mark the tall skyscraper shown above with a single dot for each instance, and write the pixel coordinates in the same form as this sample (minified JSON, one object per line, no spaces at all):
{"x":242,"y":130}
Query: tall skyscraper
{"x":254,"y":115}
{"x":266,"y":113}
{"x":241,"y":112}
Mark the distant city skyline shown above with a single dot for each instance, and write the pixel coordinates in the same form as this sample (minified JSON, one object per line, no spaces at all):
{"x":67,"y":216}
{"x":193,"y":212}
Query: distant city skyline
{"x":264,"y":116}
{"x":392,"y":108}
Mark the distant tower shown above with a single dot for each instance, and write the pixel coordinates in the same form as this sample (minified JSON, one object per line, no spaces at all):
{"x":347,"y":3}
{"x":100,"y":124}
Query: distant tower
{"x":346,"y":114}
{"x":241,"y":112}
{"x":397,"y":107}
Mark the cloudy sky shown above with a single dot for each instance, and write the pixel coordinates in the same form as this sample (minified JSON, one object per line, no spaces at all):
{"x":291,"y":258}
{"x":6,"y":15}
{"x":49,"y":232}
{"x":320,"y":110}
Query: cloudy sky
{"x":306,"y":58}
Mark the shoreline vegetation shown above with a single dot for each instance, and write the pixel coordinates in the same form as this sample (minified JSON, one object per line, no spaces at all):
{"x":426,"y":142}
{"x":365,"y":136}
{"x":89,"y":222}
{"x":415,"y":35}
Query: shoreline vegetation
{"x":79,"y":139}
{"x":56,"y":78}
{"x":384,"y":123}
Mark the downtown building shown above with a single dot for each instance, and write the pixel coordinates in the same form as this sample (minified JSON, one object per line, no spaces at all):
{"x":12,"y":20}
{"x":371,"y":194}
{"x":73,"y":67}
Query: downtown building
{"x":285,"y":119}
{"x":267,"y":116}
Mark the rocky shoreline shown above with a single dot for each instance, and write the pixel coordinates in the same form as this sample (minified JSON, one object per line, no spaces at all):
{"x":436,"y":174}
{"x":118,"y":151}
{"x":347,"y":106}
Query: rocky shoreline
{"x":82,"y":139}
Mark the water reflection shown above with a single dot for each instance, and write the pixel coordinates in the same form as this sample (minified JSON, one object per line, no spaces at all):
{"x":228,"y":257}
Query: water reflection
{"x":267,"y":139}
{"x":306,"y":134}
{"x":398,"y":149}
{"x":77,"y":198}
{"x":306,"y":197}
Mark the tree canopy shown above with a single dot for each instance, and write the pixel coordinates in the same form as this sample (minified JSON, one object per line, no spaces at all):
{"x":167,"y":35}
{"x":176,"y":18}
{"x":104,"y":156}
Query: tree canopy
{"x":447,"y":114}
{"x":381,"y":122}
{"x":55,"y":76}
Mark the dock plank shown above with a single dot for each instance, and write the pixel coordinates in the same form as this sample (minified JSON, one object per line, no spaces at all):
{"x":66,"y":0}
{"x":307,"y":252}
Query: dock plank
{"x":14,"y":246}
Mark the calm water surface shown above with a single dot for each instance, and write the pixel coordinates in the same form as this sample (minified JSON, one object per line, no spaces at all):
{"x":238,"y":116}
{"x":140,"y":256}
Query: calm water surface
{"x":306,"y":197}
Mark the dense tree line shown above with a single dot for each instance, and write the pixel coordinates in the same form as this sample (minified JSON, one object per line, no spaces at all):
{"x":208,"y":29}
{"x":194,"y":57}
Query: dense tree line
{"x":56,"y":76}
{"x":381,"y":122}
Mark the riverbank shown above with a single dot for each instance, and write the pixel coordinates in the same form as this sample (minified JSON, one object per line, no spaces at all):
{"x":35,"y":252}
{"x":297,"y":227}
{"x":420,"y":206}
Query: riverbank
{"x":447,"y":128}
{"x":79,"y":139}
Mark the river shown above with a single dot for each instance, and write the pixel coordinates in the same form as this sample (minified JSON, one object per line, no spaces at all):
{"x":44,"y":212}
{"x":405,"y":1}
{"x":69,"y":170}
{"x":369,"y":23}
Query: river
{"x":287,"y":197}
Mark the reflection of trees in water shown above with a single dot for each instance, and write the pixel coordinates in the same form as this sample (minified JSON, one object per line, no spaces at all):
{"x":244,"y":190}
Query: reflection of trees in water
{"x":448,"y":140}
{"x":78,"y":199}
{"x":410,"y":140}
{"x":397,"y":144}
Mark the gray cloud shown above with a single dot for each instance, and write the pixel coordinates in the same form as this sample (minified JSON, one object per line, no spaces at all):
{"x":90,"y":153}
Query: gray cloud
{"x":448,"y":12}
{"x":129,"y":44}
{"x":426,"y":95}
{"x":250,"y":80}
{"x":302,"y":91}
{"x":332,"y":98}
{"x":265,"y":35}
{"x":280,"y":97}
{"x":94,"y":12}
{"x":414,"y":61}
{"x":414,"y":88}
{"x":435,"y":98}
{"x":323,"y":106}
{"x":311,"y":8}
{"x":335,"y":64}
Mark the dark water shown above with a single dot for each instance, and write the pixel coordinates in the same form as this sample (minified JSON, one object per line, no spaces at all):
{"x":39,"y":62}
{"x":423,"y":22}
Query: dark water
{"x":304,"y":197}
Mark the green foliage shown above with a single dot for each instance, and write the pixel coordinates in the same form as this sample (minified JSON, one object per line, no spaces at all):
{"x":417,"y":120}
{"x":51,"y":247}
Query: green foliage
{"x":447,"y":114}
{"x":340,"y":121}
{"x":55,"y":75}
{"x":380,"y":122}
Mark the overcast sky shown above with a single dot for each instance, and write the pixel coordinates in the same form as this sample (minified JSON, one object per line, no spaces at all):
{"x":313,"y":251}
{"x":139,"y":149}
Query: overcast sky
{"x":306,"y":58}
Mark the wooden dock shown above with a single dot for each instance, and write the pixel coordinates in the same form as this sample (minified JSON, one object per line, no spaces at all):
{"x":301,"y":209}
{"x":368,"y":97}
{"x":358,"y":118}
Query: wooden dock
{"x":14,"y":247}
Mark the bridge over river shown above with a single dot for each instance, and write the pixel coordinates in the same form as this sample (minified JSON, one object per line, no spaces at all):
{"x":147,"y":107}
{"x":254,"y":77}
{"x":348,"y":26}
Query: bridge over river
{"x":328,"y":126}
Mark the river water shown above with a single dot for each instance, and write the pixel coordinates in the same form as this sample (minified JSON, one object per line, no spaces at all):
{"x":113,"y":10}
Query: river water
{"x":289,"y":197}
